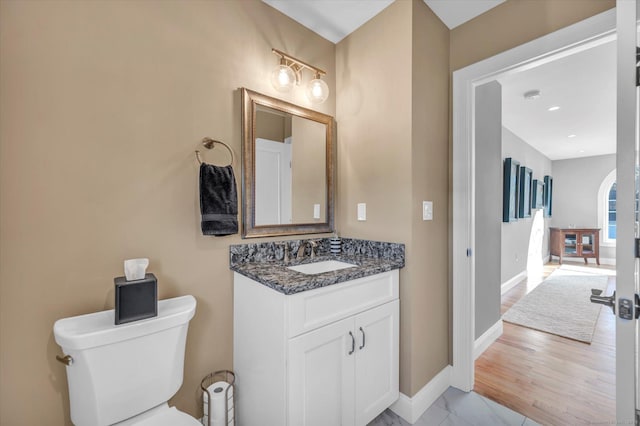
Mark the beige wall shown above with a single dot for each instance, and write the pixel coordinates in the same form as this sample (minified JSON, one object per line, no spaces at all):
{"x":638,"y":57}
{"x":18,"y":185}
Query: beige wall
{"x":516,"y":22}
{"x":429,"y":168}
{"x":392,"y":115}
{"x":270,"y":126}
{"x":102,"y":105}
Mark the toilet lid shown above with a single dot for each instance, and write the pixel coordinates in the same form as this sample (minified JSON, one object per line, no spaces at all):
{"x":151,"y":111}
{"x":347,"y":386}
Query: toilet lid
{"x":170,"y":417}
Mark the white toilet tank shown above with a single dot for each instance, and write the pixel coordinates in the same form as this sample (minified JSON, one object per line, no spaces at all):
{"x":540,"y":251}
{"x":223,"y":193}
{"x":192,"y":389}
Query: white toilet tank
{"x":120,"y":371}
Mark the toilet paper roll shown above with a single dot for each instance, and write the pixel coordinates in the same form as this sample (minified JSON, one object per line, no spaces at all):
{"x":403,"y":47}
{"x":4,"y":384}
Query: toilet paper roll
{"x":218,"y":407}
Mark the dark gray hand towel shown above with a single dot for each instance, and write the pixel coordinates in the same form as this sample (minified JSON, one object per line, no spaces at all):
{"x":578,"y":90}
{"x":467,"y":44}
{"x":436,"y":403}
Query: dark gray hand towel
{"x":218,"y":200}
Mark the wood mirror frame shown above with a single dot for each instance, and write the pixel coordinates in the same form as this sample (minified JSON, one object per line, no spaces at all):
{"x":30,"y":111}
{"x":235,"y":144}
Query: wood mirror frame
{"x":251,"y":101}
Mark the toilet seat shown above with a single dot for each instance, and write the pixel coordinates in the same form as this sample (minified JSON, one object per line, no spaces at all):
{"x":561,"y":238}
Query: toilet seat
{"x":172,"y":417}
{"x":162,"y":416}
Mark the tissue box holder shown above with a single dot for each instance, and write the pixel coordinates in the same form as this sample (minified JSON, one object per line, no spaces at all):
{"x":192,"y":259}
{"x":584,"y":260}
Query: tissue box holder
{"x":136,"y":300}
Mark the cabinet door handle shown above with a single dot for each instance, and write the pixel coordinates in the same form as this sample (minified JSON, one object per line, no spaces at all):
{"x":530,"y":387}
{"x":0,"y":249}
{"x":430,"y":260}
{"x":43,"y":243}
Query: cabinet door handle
{"x":363,"y":343}
{"x":353,"y":343}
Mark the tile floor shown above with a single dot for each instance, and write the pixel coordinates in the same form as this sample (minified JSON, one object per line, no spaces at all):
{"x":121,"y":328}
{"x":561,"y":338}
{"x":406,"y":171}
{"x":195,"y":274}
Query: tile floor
{"x":457,"y":408}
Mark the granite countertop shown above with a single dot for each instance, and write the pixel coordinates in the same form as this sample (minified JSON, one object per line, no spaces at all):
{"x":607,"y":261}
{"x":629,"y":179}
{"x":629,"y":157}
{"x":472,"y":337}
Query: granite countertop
{"x":264,"y":263}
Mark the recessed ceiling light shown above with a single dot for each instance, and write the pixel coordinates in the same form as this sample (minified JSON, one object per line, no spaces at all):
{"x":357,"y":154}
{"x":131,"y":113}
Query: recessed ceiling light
{"x":553,"y":108}
{"x":581,"y":151}
{"x":571,"y":136}
{"x":532,"y":94}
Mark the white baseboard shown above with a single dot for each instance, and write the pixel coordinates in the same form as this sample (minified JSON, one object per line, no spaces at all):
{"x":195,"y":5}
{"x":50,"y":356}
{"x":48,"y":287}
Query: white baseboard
{"x":511,"y":283}
{"x":603,"y":260}
{"x":488,"y":337}
{"x":411,"y":409}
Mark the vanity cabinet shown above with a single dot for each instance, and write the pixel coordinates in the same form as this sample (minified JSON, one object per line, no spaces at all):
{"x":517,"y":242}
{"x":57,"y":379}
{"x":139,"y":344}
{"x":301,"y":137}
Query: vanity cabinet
{"x":345,"y":369}
{"x":328,"y":356}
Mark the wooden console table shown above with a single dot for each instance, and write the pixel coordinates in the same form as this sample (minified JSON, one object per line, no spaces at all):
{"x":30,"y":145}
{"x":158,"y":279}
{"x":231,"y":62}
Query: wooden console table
{"x":575,"y":242}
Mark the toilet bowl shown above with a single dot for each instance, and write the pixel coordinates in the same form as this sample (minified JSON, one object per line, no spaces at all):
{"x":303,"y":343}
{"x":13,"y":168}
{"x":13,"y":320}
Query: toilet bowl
{"x":125,"y":374}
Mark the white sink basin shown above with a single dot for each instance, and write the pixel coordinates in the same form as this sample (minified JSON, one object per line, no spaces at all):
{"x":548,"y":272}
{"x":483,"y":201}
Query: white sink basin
{"x":320,"y":267}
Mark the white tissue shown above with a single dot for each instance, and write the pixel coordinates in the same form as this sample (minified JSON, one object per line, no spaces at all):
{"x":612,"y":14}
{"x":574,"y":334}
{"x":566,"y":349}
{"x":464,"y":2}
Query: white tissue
{"x":135,"y":269}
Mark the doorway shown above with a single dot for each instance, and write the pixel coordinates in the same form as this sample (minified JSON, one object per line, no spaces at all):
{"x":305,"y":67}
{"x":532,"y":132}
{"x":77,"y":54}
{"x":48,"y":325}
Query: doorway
{"x":525,"y":369}
{"x":584,"y":35}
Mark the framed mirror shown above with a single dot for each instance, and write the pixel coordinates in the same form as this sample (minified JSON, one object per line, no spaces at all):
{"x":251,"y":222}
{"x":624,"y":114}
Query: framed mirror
{"x":288,"y":156}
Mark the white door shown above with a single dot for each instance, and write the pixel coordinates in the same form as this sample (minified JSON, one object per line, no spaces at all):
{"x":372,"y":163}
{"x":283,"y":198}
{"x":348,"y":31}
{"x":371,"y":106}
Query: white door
{"x":627,"y":265}
{"x":377,"y":373}
{"x":321,"y":376}
{"x":273,"y":183}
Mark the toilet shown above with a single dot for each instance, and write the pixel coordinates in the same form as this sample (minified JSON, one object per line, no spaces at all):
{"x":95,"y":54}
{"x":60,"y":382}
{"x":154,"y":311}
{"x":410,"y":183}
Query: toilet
{"x":125,"y":374}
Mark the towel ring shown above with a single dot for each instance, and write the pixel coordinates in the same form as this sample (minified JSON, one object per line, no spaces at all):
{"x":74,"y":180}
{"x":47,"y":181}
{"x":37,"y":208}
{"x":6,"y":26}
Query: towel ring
{"x":210,"y":144}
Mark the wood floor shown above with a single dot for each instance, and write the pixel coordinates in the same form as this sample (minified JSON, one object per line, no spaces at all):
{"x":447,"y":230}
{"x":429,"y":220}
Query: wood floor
{"x":547,"y":378}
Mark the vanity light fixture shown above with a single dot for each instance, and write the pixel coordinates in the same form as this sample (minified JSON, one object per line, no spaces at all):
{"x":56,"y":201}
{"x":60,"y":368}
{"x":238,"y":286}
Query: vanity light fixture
{"x":317,"y":90}
{"x":283,"y":77}
{"x":289,"y":71}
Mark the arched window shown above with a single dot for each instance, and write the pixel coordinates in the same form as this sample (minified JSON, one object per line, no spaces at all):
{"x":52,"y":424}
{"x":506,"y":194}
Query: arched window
{"x":607,"y":209}
{"x":611,"y":213}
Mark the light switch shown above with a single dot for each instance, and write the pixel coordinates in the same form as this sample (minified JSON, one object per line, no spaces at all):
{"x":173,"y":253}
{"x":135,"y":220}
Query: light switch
{"x":427,"y":210}
{"x":362,"y":211}
{"x":316,"y":211}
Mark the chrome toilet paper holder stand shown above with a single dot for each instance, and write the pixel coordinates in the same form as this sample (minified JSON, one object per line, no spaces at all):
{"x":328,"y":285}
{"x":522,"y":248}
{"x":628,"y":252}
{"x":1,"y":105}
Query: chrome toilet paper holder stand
{"x":221,"y":375}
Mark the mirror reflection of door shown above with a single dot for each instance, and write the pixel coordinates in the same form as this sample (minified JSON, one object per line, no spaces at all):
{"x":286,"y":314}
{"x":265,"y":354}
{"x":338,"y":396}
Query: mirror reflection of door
{"x":290,"y":169}
{"x":273,"y":182}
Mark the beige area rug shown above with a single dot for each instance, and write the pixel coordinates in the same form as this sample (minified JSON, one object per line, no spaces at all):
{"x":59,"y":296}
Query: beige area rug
{"x":560,"y":305}
{"x":589,"y":269}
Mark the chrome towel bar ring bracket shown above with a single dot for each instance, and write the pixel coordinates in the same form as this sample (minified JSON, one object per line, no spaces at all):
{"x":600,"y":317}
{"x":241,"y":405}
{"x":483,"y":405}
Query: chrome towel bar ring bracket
{"x":209,"y":143}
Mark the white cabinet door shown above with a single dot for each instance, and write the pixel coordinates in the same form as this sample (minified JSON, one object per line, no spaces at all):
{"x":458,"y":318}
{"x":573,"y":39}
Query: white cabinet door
{"x":321,"y":376}
{"x":377,"y":361}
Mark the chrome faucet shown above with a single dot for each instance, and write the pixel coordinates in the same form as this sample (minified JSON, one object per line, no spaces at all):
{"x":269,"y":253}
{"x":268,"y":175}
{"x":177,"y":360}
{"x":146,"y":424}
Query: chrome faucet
{"x":303,"y":246}
{"x":285,"y":256}
{"x":313,"y":245}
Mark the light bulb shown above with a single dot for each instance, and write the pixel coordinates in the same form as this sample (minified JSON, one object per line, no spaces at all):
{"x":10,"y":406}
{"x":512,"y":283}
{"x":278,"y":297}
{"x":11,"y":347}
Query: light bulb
{"x":282,"y":78}
{"x":317,"y":90}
